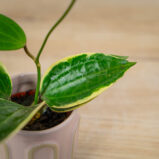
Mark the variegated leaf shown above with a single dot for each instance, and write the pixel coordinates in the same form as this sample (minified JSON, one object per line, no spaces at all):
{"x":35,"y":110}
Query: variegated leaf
{"x":77,"y":79}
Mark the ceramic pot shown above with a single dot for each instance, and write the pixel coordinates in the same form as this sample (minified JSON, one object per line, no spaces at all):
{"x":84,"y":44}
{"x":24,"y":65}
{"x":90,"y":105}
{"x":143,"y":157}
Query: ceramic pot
{"x":58,"y":142}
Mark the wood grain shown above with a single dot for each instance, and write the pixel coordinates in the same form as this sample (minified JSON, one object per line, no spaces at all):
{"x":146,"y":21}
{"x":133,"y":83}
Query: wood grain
{"x":123,"y":122}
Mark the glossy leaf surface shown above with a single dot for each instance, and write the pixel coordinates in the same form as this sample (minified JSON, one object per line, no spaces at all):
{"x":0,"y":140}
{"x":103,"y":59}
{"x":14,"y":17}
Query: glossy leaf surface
{"x":78,"y":79}
{"x":12,"y":37}
{"x":14,"y":117}
{"x":5,"y":83}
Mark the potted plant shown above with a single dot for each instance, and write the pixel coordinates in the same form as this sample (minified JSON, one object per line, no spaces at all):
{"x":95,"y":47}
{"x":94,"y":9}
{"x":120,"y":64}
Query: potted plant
{"x":29,"y":116}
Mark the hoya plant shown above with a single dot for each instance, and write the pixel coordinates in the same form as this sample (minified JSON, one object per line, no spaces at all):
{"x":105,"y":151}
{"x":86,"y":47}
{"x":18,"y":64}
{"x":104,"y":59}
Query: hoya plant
{"x":65,"y":86}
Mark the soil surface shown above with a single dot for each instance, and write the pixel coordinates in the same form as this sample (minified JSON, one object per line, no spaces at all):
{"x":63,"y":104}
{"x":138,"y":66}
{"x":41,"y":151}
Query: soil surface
{"x":47,"y":119}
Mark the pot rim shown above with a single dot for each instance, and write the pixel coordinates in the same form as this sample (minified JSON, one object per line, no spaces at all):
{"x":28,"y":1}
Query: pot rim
{"x":52,"y":129}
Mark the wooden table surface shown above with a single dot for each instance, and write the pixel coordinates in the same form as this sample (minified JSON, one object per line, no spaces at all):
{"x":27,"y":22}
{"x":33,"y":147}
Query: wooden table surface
{"x":123,"y":122}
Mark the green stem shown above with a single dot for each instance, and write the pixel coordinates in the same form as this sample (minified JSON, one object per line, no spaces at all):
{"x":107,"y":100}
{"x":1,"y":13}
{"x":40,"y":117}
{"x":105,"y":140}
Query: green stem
{"x":53,"y":27}
{"x":28,"y":53}
{"x":36,"y":60}
{"x":38,"y":67}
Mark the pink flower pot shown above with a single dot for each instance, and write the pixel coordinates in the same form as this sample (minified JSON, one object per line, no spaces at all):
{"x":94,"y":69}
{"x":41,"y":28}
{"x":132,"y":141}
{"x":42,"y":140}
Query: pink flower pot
{"x":58,"y":142}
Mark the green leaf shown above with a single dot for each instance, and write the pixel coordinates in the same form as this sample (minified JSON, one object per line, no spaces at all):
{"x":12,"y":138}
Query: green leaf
{"x":67,"y":109}
{"x":5,"y":83}
{"x":61,"y":110}
{"x":80,"y":78}
{"x":14,"y":117}
{"x":12,"y":37}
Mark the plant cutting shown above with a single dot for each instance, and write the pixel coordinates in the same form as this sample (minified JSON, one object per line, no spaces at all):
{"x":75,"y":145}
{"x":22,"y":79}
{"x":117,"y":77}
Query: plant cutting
{"x":66,"y":85}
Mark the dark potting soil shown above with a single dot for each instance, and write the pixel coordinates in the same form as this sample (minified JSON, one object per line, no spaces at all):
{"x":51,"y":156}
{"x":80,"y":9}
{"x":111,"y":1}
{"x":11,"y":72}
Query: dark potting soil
{"x":47,"y":120}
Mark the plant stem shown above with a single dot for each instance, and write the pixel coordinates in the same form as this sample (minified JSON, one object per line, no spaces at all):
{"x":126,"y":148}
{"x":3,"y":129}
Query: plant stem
{"x":28,"y":53}
{"x":53,"y":27}
{"x":36,"y":60}
{"x":38,"y":67}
